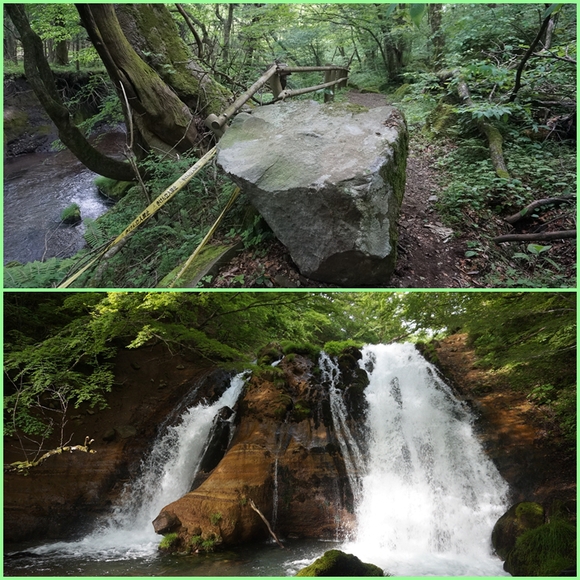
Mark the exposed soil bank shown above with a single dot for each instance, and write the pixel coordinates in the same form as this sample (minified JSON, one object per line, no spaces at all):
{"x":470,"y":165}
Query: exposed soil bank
{"x":530,"y":456}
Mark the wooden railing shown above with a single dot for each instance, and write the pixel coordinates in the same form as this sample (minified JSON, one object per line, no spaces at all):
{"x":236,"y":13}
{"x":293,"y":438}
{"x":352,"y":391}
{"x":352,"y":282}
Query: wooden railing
{"x":334,"y":76}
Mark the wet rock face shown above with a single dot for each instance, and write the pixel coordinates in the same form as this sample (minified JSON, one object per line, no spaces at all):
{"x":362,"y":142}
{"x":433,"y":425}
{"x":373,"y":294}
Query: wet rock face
{"x":284,"y":456}
{"x":329,"y":180}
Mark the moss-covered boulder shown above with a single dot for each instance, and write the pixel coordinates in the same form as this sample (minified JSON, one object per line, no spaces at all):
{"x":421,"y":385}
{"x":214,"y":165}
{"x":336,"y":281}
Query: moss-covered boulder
{"x":337,"y":563}
{"x":520,"y":518}
{"x":111,"y":188}
{"x":547,"y":550}
{"x":328,"y":180}
{"x":71,"y":215}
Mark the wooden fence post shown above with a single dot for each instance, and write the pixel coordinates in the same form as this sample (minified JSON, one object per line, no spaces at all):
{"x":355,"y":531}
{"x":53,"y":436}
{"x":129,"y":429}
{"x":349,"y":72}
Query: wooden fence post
{"x":329,"y":76}
{"x":276,"y":85}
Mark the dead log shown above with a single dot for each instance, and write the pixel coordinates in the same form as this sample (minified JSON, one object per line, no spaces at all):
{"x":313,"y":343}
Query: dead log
{"x":253,"y":506}
{"x":535,"y":237}
{"x":538,"y":203}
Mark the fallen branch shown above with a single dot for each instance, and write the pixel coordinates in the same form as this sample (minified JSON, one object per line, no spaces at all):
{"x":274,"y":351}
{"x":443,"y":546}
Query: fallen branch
{"x":538,"y":203}
{"x":536,"y":237}
{"x":253,"y":506}
{"x":24,"y":466}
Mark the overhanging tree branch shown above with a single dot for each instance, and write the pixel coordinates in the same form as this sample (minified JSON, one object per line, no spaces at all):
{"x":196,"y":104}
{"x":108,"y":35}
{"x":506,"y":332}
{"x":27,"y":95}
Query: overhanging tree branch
{"x":40,"y":77}
{"x":525,"y":58}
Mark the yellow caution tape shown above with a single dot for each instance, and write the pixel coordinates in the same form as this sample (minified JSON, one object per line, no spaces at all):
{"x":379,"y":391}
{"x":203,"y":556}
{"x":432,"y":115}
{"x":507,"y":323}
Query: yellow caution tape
{"x":147,"y":212}
{"x":209,"y":234}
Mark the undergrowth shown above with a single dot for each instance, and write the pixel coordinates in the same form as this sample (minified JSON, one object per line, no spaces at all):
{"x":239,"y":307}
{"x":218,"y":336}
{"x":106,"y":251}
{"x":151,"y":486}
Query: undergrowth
{"x":474,"y":201}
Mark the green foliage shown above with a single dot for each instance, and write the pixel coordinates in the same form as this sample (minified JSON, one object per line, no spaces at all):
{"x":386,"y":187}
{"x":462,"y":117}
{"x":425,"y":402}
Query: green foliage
{"x":215,"y":518}
{"x":169,"y":541}
{"x":68,"y":367}
{"x":335,"y":347}
{"x":304,"y":348}
{"x":301,"y":411}
{"x":46,"y":274}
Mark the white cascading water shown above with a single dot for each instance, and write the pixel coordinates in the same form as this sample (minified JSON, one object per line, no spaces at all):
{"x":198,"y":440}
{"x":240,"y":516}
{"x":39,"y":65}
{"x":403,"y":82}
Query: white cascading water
{"x":429,"y":496}
{"x":351,"y":452}
{"x":166,"y":475}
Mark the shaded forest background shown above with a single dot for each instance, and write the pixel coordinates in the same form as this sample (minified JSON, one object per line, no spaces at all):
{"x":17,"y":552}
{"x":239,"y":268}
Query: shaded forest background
{"x":488,"y":90}
{"x":60,"y":348}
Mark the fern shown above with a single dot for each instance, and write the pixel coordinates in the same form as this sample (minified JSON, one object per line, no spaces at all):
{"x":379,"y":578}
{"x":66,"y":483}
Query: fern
{"x":36,"y":274}
{"x":95,"y":234}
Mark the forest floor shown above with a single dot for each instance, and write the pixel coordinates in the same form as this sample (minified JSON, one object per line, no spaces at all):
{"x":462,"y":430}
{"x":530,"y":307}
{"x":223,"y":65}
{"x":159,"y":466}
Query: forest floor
{"x":521,"y":437}
{"x":429,"y":254}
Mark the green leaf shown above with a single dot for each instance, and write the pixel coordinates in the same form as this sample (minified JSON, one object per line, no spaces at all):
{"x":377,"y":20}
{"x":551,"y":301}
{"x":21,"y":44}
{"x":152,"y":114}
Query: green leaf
{"x":537,"y":249}
{"x":552,"y":9}
{"x":416,"y":12}
{"x":470,"y":254}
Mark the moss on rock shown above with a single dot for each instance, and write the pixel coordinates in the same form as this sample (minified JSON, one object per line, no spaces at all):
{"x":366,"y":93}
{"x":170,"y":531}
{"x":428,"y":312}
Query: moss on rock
{"x":521,"y":517}
{"x":71,"y":215}
{"x":169,"y":542}
{"x":337,"y":563}
{"x":544,"y":551}
{"x":111,"y":188}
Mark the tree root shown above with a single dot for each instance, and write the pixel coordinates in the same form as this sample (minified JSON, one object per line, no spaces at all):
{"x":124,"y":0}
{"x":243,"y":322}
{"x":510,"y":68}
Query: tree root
{"x":535,"y":237}
{"x":538,"y":203}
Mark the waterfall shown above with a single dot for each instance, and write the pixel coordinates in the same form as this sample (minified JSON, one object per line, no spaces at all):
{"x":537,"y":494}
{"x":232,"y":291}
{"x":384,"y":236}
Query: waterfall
{"x":166,"y":475}
{"x":429,"y":495}
{"x":351,"y":452}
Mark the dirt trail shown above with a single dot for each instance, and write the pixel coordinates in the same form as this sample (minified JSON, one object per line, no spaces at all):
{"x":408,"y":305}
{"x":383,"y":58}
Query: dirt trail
{"x":429,"y":255}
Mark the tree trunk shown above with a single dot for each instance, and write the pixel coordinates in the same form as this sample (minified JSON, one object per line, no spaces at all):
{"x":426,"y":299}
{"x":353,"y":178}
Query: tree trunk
{"x":41,"y":80}
{"x":437,"y":36}
{"x":10,"y":44}
{"x":161,"y":117}
{"x":61,"y":53}
{"x":151,"y":30}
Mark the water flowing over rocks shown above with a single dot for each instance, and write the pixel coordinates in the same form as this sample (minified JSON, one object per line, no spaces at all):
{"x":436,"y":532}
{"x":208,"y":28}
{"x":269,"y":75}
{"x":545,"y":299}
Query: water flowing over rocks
{"x":277,"y":443}
{"x":328,"y":179}
{"x":284,"y":457}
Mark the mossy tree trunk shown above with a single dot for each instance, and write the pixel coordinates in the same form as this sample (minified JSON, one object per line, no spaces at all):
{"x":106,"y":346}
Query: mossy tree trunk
{"x":152,"y":32}
{"x":162,"y":119}
{"x":41,"y":80}
{"x":494,"y":138}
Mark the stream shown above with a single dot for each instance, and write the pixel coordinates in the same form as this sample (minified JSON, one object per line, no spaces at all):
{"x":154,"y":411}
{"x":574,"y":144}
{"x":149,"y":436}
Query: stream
{"x":427,"y":496}
{"x":37,"y":187}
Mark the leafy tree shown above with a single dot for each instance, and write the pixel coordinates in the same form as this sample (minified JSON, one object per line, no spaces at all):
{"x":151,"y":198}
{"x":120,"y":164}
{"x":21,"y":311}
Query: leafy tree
{"x":155,"y":110}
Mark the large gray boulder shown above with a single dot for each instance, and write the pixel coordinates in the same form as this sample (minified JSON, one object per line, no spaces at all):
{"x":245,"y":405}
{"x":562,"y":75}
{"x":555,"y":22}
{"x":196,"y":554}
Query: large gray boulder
{"x":328,"y":179}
